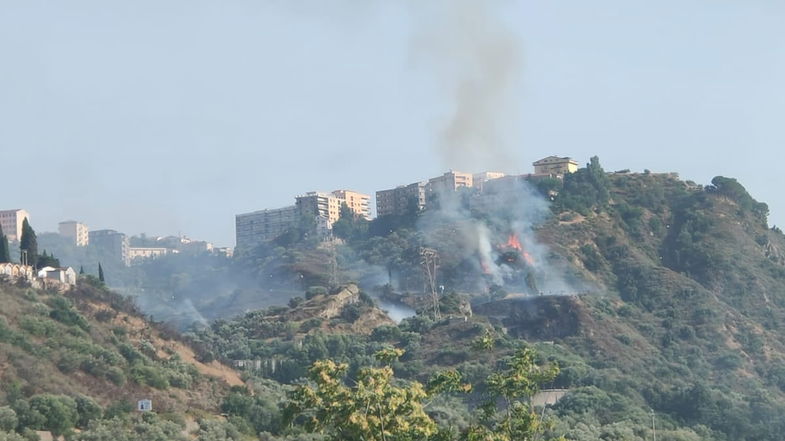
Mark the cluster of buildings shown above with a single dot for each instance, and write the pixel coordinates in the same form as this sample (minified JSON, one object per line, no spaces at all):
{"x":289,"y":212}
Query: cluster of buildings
{"x":260,"y":226}
{"x":255,"y":228}
{"x":47,"y":277}
{"x":110,"y":245}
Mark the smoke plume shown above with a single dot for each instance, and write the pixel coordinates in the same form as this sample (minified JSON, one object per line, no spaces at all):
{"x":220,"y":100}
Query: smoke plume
{"x":472,"y":53}
{"x":489,"y":239}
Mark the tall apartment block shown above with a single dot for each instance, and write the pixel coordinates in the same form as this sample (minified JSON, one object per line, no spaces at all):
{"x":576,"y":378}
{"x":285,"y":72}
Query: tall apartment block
{"x":359,"y":203}
{"x":77,"y":232}
{"x":450,"y":181}
{"x":111,"y":244}
{"x":398,"y":201}
{"x":11,"y":221}
{"x":252,"y":229}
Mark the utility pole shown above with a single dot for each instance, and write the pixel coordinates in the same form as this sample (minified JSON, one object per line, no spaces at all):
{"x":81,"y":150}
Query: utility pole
{"x":429,"y":259}
{"x":653,"y":427}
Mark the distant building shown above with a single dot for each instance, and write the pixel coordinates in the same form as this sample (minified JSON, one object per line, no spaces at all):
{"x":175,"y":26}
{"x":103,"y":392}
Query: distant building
{"x":479,"y":179}
{"x":450,"y":181}
{"x":77,"y":232}
{"x":11,"y":221}
{"x":554,"y":165}
{"x":325,"y":206}
{"x":400,"y":200}
{"x":253,"y":229}
{"x":65,"y":276}
{"x":136,"y":254}
{"x":183,"y":244}
{"x":111,"y":244}
{"x":359,"y":203}
{"x":14,"y":271}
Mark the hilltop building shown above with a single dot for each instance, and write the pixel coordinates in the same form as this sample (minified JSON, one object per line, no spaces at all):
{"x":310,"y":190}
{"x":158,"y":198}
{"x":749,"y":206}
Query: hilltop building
{"x":359,"y":203}
{"x":65,"y":276}
{"x":555,"y":165}
{"x":77,"y":232}
{"x":400,"y":200}
{"x":111,"y":244}
{"x":137,"y":254}
{"x":450,"y":181}
{"x":15,"y":271}
{"x":11,"y":221}
{"x":479,"y":179}
{"x":253,"y":229}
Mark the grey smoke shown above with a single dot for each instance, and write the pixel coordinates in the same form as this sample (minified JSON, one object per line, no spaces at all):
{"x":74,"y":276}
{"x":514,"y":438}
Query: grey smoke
{"x":470,"y":235}
{"x":473,"y":53}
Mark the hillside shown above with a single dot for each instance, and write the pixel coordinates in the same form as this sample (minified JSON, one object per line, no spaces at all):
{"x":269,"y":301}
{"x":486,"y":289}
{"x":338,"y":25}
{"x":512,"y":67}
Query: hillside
{"x":92,"y":346}
{"x":673,"y":302}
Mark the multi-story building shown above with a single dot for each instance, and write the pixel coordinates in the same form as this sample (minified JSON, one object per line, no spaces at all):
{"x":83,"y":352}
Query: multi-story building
{"x":450,"y":181}
{"x":77,"y":232}
{"x":252,"y":229}
{"x":555,"y":165}
{"x":359,"y":203}
{"x":400,"y":200}
{"x":325,"y":206}
{"x":11,"y":221}
{"x":479,"y":179}
{"x":111,"y":244}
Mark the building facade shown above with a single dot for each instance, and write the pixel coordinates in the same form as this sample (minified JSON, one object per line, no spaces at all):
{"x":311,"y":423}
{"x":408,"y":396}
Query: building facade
{"x":11,"y":221}
{"x":252,"y":229}
{"x":66,"y":276}
{"x":555,"y":165}
{"x":359,"y":203}
{"x":111,"y":244}
{"x":401,"y":200}
{"x":77,"y":232}
{"x":450,"y":182}
{"x":479,"y":179}
{"x":137,"y":254}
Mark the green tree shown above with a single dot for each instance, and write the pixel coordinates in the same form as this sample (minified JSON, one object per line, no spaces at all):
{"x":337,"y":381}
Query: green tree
{"x":373,"y":409}
{"x":100,"y":273}
{"x":4,"y":251}
{"x":59,"y":412}
{"x":28,"y":245}
{"x":512,"y":387}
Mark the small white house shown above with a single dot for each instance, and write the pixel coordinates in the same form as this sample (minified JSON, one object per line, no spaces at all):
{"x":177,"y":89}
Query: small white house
{"x":65,"y":276}
{"x":144,"y":405}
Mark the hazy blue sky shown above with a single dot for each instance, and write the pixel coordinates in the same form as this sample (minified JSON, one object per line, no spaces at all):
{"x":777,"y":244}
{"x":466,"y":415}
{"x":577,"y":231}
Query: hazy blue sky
{"x":172,"y":116}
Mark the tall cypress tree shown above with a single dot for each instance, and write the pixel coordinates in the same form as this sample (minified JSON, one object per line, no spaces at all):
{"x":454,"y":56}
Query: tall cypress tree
{"x":5,"y":256}
{"x":100,"y":272}
{"x":29,"y":243}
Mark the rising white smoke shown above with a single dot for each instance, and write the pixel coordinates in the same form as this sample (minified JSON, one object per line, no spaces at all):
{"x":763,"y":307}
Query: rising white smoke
{"x":489,"y":238}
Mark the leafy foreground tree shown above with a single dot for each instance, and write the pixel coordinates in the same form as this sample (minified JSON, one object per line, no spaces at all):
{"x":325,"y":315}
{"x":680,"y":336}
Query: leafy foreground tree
{"x":378,"y":407}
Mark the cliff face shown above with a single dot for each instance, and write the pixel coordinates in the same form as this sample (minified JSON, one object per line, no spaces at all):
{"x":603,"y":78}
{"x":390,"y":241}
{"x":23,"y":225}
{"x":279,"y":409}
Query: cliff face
{"x":536,"y":318}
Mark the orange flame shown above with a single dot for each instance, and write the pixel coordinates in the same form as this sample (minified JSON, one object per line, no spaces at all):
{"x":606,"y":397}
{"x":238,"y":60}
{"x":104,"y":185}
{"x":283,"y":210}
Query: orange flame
{"x":514,"y":243}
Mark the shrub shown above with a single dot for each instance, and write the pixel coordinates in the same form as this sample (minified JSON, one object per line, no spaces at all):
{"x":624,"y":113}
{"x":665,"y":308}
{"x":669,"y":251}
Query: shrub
{"x":8,"y":419}
{"x":315,"y":291}
{"x":150,"y":376}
